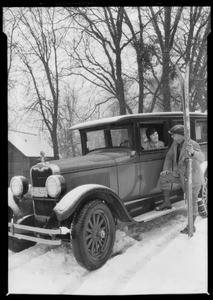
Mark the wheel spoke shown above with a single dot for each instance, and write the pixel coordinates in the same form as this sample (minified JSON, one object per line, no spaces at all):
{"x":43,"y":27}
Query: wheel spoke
{"x":101,"y":222}
{"x":89,"y":230}
{"x":89,"y":236}
{"x":96,"y":247}
{"x":90,"y":224}
{"x":101,"y":242}
{"x":98,"y":218}
{"x":93,"y":246}
{"x":89,"y":243}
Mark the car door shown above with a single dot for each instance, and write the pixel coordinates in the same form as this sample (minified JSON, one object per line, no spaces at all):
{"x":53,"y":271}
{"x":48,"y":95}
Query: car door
{"x":127,"y":161}
{"x":129,"y":176}
{"x":151,"y":161}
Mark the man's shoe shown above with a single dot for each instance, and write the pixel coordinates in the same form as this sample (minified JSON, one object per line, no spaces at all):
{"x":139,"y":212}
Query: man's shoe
{"x":163,"y":206}
{"x":186,"y":230}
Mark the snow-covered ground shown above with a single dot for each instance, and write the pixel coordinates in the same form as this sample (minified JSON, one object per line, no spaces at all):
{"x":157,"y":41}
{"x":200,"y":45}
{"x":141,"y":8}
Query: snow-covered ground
{"x":151,"y":258}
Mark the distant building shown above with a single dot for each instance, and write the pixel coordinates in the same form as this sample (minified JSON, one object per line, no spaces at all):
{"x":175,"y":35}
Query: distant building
{"x":23,"y":152}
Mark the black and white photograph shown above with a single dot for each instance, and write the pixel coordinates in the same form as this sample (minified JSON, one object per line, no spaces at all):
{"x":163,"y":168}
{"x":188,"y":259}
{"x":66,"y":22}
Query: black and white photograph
{"x":107,"y":149}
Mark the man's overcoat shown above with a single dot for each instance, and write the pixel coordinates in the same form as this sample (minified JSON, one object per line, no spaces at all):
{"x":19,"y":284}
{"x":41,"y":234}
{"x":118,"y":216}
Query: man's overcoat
{"x":180,"y":168}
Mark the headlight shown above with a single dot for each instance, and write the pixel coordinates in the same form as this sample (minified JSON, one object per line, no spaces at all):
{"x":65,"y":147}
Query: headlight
{"x":19,"y":185}
{"x":55,"y":185}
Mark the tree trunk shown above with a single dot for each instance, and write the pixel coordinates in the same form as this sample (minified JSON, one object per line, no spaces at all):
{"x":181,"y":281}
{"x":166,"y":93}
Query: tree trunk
{"x":119,"y":84}
{"x":165,"y":81}
{"x":141,"y":88}
{"x":166,"y":56}
{"x":55,"y":144}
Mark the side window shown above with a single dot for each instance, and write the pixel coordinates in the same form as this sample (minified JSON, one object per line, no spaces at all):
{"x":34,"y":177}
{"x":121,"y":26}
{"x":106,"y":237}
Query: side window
{"x":201,"y":131}
{"x":152,"y":136}
{"x":122,"y":137}
{"x":95,"y":140}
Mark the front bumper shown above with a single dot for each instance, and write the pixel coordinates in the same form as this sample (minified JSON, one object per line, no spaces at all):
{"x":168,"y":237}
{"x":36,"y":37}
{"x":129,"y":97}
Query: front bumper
{"x":42,"y":235}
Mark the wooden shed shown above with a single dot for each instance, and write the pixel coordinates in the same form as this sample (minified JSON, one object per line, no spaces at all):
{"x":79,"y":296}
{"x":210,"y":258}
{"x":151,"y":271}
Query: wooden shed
{"x":23,"y":152}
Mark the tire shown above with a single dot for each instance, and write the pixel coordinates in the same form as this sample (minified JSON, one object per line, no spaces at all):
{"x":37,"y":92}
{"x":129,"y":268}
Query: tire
{"x":93,"y":235}
{"x":15,"y":244}
{"x":203,"y":200}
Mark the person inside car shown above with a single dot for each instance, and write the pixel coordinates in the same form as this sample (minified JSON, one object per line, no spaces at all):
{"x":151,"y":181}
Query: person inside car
{"x":125,"y":144}
{"x":175,"y":169}
{"x":153,"y":140}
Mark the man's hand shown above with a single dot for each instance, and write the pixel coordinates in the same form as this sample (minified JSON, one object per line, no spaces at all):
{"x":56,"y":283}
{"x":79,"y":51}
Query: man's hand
{"x":164,"y":173}
{"x":190,"y":149}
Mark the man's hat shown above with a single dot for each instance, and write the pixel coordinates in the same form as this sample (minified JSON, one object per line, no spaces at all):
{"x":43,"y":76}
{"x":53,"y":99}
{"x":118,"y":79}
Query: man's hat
{"x":177,"y":129}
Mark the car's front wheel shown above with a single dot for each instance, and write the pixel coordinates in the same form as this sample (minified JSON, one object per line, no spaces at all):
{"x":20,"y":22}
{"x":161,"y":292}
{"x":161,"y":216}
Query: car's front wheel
{"x":93,"y":235}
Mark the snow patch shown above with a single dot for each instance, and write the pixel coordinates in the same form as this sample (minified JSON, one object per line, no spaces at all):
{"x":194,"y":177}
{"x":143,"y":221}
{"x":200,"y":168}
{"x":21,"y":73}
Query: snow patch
{"x":154,"y":259}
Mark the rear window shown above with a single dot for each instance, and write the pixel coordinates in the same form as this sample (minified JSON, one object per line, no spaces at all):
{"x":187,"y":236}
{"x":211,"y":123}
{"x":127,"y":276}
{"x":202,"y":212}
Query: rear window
{"x":201,"y":131}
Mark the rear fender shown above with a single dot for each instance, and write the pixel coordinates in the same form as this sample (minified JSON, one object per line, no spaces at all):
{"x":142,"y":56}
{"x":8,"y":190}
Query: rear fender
{"x":81,"y":194}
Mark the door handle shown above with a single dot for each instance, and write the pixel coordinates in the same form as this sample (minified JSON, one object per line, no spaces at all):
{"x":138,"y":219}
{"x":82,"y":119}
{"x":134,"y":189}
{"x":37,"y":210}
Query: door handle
{"x":132,"y":153}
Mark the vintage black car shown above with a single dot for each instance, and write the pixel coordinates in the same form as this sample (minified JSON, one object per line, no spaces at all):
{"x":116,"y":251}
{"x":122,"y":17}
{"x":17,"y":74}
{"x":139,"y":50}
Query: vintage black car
{"x":83,"y":198}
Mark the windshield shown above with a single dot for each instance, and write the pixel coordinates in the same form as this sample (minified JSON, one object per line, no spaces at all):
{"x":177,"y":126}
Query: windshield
{"x":108,"y":138}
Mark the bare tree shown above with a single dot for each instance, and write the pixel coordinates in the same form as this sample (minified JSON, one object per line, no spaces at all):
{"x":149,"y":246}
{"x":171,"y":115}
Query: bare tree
{"x":166,"y":40}
{"x":144,"y":50}
{"x":69,"y":143}
{"x":191,"y":46}
{"x":96,"y":48}
{"x":40,"y":37}
{"x":101,"y":28}
{"x":138,"y":44}
{"x":10,"y":23}
{"x":10,"y":28}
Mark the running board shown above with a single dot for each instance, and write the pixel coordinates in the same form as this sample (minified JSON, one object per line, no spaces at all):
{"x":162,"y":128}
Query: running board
{"x":155,"y":214}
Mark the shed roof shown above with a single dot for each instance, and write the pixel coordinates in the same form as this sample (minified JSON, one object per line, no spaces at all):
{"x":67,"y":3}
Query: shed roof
{"x":29,"y":144}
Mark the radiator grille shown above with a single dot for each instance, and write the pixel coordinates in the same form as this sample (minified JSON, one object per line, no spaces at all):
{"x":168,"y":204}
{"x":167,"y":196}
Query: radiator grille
{"x":39,"y":176}
{"x":44,"y":207}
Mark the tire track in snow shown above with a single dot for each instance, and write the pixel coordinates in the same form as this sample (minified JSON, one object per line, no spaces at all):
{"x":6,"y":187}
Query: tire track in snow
{"x":53,"y":270}
{"x":19,"y":259}
{"x":141,"y":257}
{"x":154,"y":237}
{"x":46,"y":272}
{"x":153,"y":242}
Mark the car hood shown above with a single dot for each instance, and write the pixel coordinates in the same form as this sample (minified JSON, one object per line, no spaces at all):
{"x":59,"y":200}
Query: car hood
{"x":90,"y":161}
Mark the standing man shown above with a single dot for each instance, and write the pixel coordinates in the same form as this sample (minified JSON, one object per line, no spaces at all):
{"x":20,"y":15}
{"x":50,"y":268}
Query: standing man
{"x":175,"y":169}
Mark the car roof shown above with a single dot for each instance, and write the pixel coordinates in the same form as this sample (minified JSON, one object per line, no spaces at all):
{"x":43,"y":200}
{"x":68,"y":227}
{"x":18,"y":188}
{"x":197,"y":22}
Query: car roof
{"x":121,"y":118}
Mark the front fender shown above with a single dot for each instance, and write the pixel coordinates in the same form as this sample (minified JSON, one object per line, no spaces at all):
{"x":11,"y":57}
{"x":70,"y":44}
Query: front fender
{"x":12,"y":204}
{"x":81,"y":194}
{"x":20,"y":206}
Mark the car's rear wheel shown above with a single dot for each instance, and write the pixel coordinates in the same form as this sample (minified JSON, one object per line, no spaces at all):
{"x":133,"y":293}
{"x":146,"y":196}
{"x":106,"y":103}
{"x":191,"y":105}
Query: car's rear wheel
{"x":203,"y":199}
{"x":15,"y":244}
{"x":93,"y":235}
